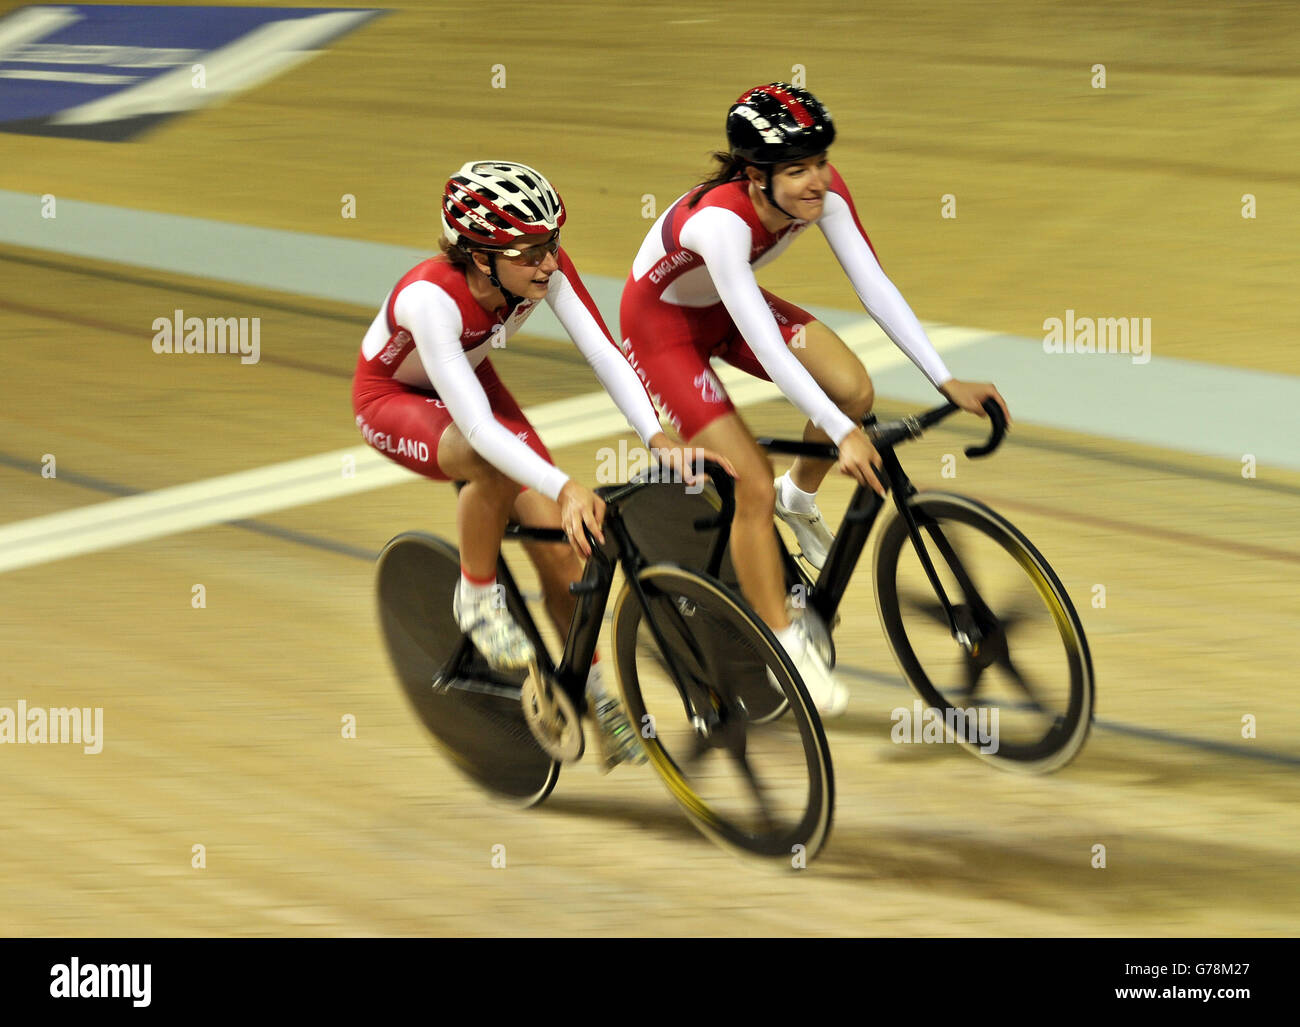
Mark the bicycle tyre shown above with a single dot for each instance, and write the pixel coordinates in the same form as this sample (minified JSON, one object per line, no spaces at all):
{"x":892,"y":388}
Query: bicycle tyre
{"x":725,"y":651}
{"x":946,"y":513}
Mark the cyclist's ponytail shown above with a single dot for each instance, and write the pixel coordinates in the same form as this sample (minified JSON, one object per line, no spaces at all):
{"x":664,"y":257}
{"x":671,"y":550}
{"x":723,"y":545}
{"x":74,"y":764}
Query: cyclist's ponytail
{"x":457,"y":256}
{"x":728,"y":169}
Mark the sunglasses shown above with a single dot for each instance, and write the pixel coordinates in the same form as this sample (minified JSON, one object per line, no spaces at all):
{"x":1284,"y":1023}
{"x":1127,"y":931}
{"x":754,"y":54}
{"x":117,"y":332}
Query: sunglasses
{"x":533,"y":256}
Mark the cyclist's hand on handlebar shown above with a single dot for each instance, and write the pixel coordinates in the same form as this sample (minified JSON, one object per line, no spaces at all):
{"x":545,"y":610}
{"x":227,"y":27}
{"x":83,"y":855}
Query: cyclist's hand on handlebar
{"x":686,"y":459}
{"x":859,"y":459}
{"x":580,"y":506}
{"x":970,"y":396}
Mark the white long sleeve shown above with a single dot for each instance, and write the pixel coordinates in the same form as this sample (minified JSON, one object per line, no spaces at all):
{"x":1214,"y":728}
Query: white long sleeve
{"x":878,"y":294}
{"x":611,"y":367}
{"x":435,"y":324}
{"x":724,"y":240}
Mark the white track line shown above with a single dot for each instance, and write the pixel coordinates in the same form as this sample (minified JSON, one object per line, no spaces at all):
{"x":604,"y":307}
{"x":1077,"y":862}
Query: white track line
{"x":263,"y":53}
{"x":31,"y":24}
{"x":313,"y":479}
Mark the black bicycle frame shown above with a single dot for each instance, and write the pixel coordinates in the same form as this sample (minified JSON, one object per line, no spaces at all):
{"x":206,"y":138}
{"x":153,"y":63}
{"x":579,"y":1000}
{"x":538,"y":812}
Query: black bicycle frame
{"x":593,"y":589}
{"x":825,"y":594}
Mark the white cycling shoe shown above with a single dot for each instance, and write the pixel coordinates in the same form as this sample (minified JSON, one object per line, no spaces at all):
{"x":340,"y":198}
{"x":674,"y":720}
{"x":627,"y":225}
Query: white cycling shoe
{"x":618,"y":740}
{"x":494,"y":632}
{"x":810,"y":530}
{"x":827,"y":692}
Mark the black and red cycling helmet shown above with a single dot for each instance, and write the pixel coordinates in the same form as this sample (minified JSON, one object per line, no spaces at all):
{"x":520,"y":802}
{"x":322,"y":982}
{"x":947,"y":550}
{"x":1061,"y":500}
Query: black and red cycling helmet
{"x":778,"y":122}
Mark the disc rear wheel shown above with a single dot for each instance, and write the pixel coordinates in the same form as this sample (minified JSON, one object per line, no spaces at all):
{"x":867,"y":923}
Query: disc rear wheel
{"x":473,"y":711}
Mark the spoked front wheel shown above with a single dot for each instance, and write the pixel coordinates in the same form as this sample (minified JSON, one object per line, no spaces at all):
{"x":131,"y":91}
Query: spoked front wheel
{"x":692,"y":663}
{"x":473,"y":711}
{"x":1014,"y":682}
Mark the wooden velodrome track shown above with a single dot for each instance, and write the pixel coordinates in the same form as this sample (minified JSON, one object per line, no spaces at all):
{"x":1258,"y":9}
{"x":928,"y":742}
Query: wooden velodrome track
{"x":223,"y":724}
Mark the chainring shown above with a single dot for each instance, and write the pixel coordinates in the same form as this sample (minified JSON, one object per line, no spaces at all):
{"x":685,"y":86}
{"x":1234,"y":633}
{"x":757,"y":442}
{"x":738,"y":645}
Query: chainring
{"x":551,"y":717}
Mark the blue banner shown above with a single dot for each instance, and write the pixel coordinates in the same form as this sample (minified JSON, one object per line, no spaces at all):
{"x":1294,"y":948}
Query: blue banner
{"x":110,"y":72}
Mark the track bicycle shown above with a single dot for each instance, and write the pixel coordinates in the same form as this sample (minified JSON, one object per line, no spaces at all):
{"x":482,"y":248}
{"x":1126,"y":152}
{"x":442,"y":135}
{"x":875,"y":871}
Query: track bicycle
{"x":978,"y":622}
{"x":690,"y":656}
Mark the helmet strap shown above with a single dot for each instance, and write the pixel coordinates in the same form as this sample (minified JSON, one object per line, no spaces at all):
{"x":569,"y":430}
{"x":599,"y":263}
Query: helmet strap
{"x":512,"y":300}
{"x":767,"y":191}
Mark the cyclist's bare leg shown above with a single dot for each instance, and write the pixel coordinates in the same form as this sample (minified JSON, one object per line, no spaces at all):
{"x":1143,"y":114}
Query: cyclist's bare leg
{"x":482,"y":511}
{"x":557,"y":564}
{"x":753,"y":543}
{"x":843,"y":378}
{"x":483,"y":506}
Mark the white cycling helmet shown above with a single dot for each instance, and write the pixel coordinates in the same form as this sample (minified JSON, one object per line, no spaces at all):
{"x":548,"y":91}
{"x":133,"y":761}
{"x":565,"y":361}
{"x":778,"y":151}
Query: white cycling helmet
{"x":491,"y":203}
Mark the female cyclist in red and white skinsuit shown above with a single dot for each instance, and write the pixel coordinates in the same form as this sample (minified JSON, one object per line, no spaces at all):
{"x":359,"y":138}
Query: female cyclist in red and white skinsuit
{"x":426,"y":395}
{"x":692,"y":295}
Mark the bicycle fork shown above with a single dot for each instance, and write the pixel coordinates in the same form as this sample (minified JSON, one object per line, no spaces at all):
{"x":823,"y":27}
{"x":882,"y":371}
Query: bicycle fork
{"x":971,"y":623}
